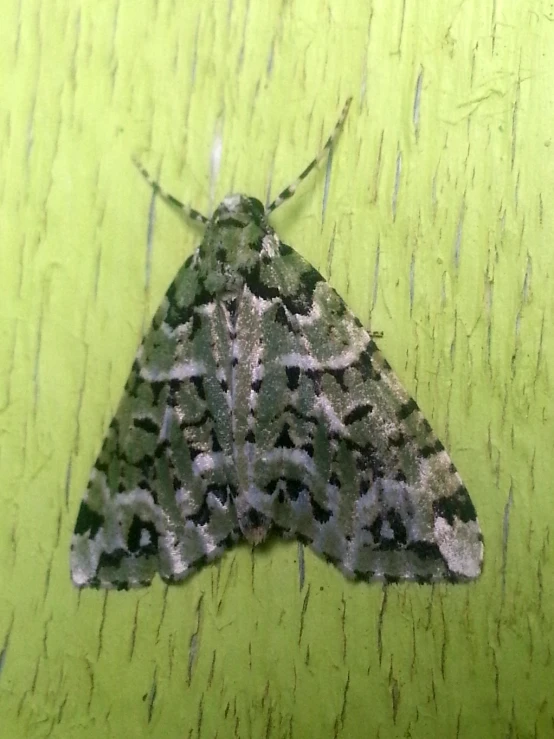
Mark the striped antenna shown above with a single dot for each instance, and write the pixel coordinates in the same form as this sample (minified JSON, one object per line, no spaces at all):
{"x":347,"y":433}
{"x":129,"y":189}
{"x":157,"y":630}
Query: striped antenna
{"x":187,"y":210}
{"x":289,"y":191}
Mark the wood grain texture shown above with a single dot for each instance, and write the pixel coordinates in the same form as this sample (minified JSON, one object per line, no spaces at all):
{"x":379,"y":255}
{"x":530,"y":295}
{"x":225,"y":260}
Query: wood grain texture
{"x":436,"y":224}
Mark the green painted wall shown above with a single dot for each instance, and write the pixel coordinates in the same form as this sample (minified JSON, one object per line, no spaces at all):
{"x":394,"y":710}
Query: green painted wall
{"x":438,"y":227}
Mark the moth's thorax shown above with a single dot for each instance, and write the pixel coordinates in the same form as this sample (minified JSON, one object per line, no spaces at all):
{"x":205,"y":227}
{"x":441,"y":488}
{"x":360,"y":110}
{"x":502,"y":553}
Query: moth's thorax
{"x":237,"y":235}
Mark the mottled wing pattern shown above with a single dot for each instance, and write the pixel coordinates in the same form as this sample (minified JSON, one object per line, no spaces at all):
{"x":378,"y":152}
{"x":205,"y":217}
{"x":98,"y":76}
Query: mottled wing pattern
{"x":159,"y":498}
{"x":258,"y":402}
{"x":338,"y":454}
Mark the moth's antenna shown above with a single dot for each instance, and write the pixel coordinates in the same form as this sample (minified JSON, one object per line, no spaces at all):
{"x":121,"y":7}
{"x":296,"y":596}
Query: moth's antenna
{"x":187,"y":210}
{"x":289,"y":191}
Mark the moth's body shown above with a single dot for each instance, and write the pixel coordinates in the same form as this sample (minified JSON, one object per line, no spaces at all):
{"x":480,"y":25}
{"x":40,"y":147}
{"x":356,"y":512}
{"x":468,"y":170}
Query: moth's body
{"x":258,"y":401}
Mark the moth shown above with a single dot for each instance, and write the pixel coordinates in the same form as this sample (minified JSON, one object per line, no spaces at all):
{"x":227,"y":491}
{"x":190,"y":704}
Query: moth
{"x":258,"y":404}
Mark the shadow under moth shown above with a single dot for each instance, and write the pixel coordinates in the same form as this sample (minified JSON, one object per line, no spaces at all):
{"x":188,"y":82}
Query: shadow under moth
{"x":257,"y":403}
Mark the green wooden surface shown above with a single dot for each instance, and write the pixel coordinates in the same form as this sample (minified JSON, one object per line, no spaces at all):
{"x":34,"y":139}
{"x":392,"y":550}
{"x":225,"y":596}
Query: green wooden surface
{"x":438,"y":226}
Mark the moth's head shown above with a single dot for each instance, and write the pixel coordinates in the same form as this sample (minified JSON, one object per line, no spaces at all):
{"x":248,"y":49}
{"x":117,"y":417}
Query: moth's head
{"x":239,"y":211}
{"x":255,"y":526}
